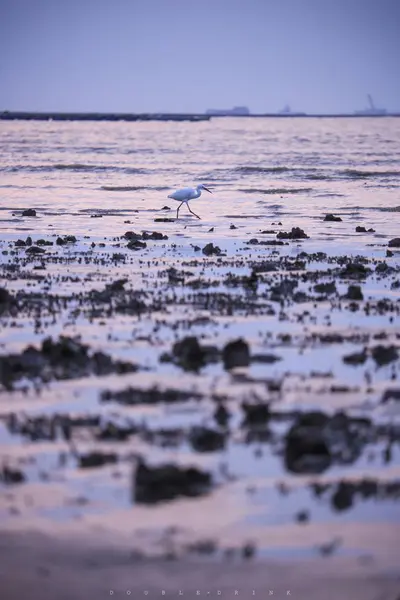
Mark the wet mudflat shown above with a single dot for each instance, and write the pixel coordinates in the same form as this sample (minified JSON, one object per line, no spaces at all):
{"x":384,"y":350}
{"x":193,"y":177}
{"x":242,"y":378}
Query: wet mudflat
{"x":151,"y":370}
{"x":222,"y":390}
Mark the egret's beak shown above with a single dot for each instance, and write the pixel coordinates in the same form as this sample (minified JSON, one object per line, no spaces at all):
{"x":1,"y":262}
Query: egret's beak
{"x":207,"y":190}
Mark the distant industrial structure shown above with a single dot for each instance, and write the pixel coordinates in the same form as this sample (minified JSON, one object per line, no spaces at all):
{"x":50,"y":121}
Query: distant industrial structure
{"x":372,"y":110}
{"x":236,"y":111}
{"x":288,"y":112}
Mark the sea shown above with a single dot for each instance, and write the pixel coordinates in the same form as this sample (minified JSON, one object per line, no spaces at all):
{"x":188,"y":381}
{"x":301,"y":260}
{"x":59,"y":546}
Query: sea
{"x":294,"y":169}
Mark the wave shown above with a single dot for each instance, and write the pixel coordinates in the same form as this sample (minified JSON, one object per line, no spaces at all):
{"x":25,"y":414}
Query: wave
{"x":359,"y":174}
{"x":275,"y":190}
{"x":389,"y":208}
{"x":250,"y":169}
{"x":132,"y":188}
{"x":73,"y":167}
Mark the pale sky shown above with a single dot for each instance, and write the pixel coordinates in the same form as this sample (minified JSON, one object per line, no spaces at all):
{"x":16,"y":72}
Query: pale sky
{"x":190,"y":55}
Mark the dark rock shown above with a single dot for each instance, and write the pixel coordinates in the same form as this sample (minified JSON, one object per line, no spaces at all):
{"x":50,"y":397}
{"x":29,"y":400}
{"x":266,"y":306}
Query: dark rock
{"x":163,"y":220}
{"x":19,"y":243}
{"x":5,"y":298}
{"x":204,"y":439}
{"x":394,"y":243}
{"x":191,"y":356}
{"x":236,"y":354}
{"x":306,"y":447}
{"x":295,"y":234}
{"x":30,"y":212}
{"x":97,"y":459}
{"x":266,"y":359}
{"x":210,"y":249}
{"x":284,"y":289}
{"x":66,"y":358}
{"x":155,"y":235}
{"x":389,"y":253}
{"x":9,"y":475}
{"x":166,"y":482}
{"x":393,"y":394}
{"x":233,"y":227}
{"x":355,"y":270}
{"x":383,"y":355}
{"x":28,"y":241}
{"x":111,"y":431}
{"x":35,"y":250}
{"x":325,"y":288}
{"x":202,"y":547}
{"x":131,"y":235}
{"x":43,"y":242}
{"x":360,"y":229}
{"x":354,"y":292}
{"x":342,"y":499}
{"x":356,"y":358}
{"x":384,"y":268}
{"x":303,"y":516}
{"x":248,"y":551}
{"x":256,"y":414}
{"x":331,"y":217}
{"x":135,"y":396}
{"x":136,"y":245}
{"x":67,"y":239}
{"x":222,"y":415}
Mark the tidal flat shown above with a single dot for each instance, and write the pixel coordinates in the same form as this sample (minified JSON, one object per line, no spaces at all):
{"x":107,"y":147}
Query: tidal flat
{"x":202,"y":400}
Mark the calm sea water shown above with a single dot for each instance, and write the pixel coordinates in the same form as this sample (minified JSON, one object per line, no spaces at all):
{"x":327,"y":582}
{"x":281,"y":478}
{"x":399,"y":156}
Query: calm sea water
{"x":291,"y":169}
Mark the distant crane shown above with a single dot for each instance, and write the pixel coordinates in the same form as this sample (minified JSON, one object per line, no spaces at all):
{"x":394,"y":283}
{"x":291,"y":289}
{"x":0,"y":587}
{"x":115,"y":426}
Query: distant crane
{"x":372,"y":111}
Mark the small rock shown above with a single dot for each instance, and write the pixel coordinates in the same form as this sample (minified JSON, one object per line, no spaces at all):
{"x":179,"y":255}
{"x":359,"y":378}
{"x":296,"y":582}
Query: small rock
{"x":394,"y":243}
{"x":383,"y":355}
{"x":233,"y":227}
{"x":295,"y":234}
{"x":9,"y":475}
{"x":166,"y":482}
{"x":303,"y":516}
{"x":222,"y":415}
{"x":325,"y":288}
{"x":354,"y":292}
{"x":306,"y":449}
{"x":248,"y":551}
{"x":332,"y":218}
{"x":236,"y":354}
{"x":389,"y":253}
{"x":30,"y":212}
{"x":97,"y":459}
{"x":356,"y":358}
{"x":256,"y":414}
{"x":136,"y":245}
{"x":204,"y":439}
{"x":35,"y":250}
{"x":342,"y":498}
{"x":210,"y":249}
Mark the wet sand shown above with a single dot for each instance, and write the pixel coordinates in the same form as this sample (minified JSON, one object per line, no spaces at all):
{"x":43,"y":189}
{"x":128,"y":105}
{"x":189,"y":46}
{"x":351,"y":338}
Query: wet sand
{"x":200,"y":402}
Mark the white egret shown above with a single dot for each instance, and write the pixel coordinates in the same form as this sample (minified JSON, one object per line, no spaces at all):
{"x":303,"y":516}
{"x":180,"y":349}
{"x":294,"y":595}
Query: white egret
{"x":186,"y":194}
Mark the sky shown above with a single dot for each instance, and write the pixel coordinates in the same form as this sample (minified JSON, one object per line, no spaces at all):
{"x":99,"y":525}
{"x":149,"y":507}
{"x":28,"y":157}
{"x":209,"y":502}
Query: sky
{"x":190,"y":55}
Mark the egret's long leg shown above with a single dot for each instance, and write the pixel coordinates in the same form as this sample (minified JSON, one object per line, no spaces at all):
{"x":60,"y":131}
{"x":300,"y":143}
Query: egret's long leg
{"x":177,"y":210}
{"x":192,"y":211}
